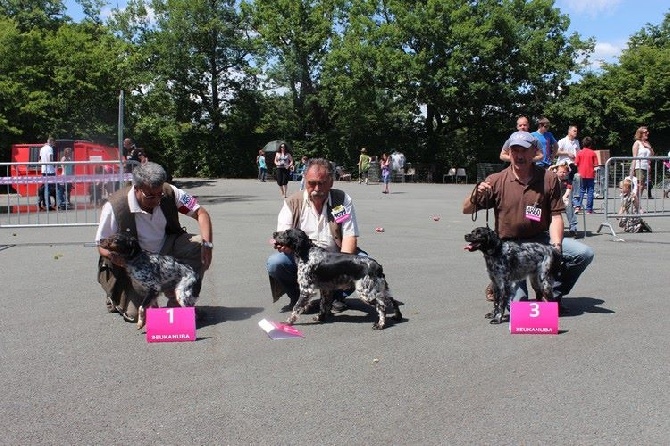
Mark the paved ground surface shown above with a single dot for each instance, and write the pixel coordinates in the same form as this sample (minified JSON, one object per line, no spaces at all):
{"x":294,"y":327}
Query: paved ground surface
{"x":73,"y":374}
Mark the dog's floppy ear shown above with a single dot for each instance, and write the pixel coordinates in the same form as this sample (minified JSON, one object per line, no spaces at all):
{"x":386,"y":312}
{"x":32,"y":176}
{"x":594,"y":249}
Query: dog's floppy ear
{"x":302,"y":241}
{"x":129,"y":243}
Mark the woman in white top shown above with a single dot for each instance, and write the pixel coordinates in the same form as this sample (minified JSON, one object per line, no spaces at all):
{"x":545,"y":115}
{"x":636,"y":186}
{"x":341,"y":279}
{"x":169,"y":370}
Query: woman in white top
{"x":284,"y":164}
{"x":642,"y":148}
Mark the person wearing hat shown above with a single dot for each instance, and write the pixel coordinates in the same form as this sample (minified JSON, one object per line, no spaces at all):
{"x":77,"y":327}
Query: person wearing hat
{"x":363,"y":166}
{"x":527,"y":203}
{"x":546,"y":142}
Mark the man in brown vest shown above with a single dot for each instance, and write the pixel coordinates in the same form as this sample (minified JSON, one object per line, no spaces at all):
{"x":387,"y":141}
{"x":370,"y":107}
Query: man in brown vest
{"x":328,"y":217}
{"x":149,"y":210}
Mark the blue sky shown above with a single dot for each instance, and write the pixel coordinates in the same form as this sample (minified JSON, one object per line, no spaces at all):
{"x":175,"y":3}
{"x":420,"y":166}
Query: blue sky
{"x":610,"y":22}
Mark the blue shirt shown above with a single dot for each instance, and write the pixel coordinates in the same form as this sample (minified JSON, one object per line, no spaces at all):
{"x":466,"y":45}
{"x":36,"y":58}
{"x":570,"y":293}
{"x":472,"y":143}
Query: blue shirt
{"x":546,"y":141}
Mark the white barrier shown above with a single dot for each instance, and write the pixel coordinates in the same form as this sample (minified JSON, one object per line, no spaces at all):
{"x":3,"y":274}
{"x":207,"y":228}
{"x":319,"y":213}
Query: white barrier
{"x":23,"y":189}
{"x":619,"y":167}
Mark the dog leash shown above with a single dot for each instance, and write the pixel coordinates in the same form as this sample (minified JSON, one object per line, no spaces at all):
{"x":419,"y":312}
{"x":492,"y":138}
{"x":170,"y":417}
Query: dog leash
{"x":473,"y":200}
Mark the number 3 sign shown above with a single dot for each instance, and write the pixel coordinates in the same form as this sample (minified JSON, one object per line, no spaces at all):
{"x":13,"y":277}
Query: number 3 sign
{"x":171,"y":324}
{"x":533,"y":318}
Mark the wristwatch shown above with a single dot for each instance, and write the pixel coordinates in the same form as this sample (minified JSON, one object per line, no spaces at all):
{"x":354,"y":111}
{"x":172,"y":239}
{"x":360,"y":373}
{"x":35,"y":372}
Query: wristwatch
{"x":207,"y":244}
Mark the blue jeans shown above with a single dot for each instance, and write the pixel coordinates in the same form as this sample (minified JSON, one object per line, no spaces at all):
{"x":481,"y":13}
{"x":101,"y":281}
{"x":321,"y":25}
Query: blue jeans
{"x":576,"y":257}
{"x":45,"y":197}
{"x":63,"y":193}
{"x":570,"y":212}
{"x":586,"y":186}
{"x":283,"y":269}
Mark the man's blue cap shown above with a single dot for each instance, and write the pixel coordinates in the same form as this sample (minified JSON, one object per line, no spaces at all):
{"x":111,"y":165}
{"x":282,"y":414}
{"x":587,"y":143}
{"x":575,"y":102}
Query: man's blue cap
{"x":523,"y":139}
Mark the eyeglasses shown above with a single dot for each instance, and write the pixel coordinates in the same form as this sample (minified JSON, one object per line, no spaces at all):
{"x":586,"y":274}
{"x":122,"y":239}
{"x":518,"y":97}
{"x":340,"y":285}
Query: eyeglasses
{"x":152,"y":197}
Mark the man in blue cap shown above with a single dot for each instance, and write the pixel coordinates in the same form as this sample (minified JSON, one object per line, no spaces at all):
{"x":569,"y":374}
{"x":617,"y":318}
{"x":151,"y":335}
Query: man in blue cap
{"x":527,"y":204}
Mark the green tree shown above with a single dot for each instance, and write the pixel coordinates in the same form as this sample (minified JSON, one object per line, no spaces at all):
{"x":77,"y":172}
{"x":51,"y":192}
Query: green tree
{"x":293,"y":39}
{"x":188,"y":66}
{"x":366,"y":85}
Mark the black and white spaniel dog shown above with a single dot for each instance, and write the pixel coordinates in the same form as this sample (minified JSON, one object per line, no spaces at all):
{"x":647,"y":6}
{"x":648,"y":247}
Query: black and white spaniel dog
{"x":326,"y":271}
{"x":508,"y":261}
{"x":154,"y":273}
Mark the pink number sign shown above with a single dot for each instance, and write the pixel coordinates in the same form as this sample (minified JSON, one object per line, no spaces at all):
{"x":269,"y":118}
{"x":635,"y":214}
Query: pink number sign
{"x":533,"y":318}
{"x":171,"y":324}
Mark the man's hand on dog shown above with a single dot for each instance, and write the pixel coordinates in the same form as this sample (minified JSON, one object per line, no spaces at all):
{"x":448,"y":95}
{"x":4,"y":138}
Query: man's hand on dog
{"x":206,"y":258}
{"x":116,"y":259}
{"x":282,"y":248}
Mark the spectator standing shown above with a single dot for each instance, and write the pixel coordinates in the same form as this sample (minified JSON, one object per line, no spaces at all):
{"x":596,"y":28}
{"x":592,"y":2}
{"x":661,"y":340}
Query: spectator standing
{"x":385,"y":165}
{"x":64,"y":188}
{"x":521,"y":126}
{"x":48,"y":170}
{"x":546,"y":142}
{"x":284,"y":165}
{"x":398,"y":162}
{"x":642,"y":148}
{"x":130,"y":152}
{"x":586,"y":162}
{"x":301,"y":171}
{"x":142,"y":156}
{"x":568,"y":147}
{"x":262,"y":166}
{"x":363,"y":166}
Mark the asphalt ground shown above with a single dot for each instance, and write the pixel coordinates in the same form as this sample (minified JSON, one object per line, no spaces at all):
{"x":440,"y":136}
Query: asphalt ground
{"x":74,"y":374}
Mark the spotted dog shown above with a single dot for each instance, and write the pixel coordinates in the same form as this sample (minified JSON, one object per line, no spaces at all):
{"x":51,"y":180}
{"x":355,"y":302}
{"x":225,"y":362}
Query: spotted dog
{"x":326,"y":271}
{"x":509,"y":261}
{"x":154,"y":273}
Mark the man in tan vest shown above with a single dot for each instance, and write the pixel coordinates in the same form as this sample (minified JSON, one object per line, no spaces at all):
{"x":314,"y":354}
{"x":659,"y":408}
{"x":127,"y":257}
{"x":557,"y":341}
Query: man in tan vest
{"x":328,"y":217}
{"x":149,"y":210}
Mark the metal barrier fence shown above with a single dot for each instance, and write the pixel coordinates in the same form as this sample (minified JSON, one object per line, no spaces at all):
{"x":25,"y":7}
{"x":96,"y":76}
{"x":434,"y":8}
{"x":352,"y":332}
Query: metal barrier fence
{"x":28,"y":199}
{"x":617,"y":168}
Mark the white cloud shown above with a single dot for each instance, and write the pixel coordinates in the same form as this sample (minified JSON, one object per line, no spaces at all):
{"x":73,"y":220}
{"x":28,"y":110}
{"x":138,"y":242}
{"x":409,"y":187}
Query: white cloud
{"x":591,"y":8}
{"x":606,"y":52}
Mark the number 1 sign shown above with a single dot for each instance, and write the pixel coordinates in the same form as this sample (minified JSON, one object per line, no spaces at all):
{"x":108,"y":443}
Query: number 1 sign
{"x":171,"y":324}
{"x":533,"y":318}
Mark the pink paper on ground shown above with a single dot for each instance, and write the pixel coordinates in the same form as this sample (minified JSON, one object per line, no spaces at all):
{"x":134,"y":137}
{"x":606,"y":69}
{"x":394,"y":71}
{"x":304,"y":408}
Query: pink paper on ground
{"x":277,"y":330}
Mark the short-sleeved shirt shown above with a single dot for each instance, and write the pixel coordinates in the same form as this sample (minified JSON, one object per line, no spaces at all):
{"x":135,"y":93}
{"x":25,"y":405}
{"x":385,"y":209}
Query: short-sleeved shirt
{"x":570,"y":146}
{"x":586,"y":163}
{"x":46,"y":156}
{"x":150,"y":226}
{"x":513,"y":201}
{"x":545,"y":141}
{"x":315,"y":225}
